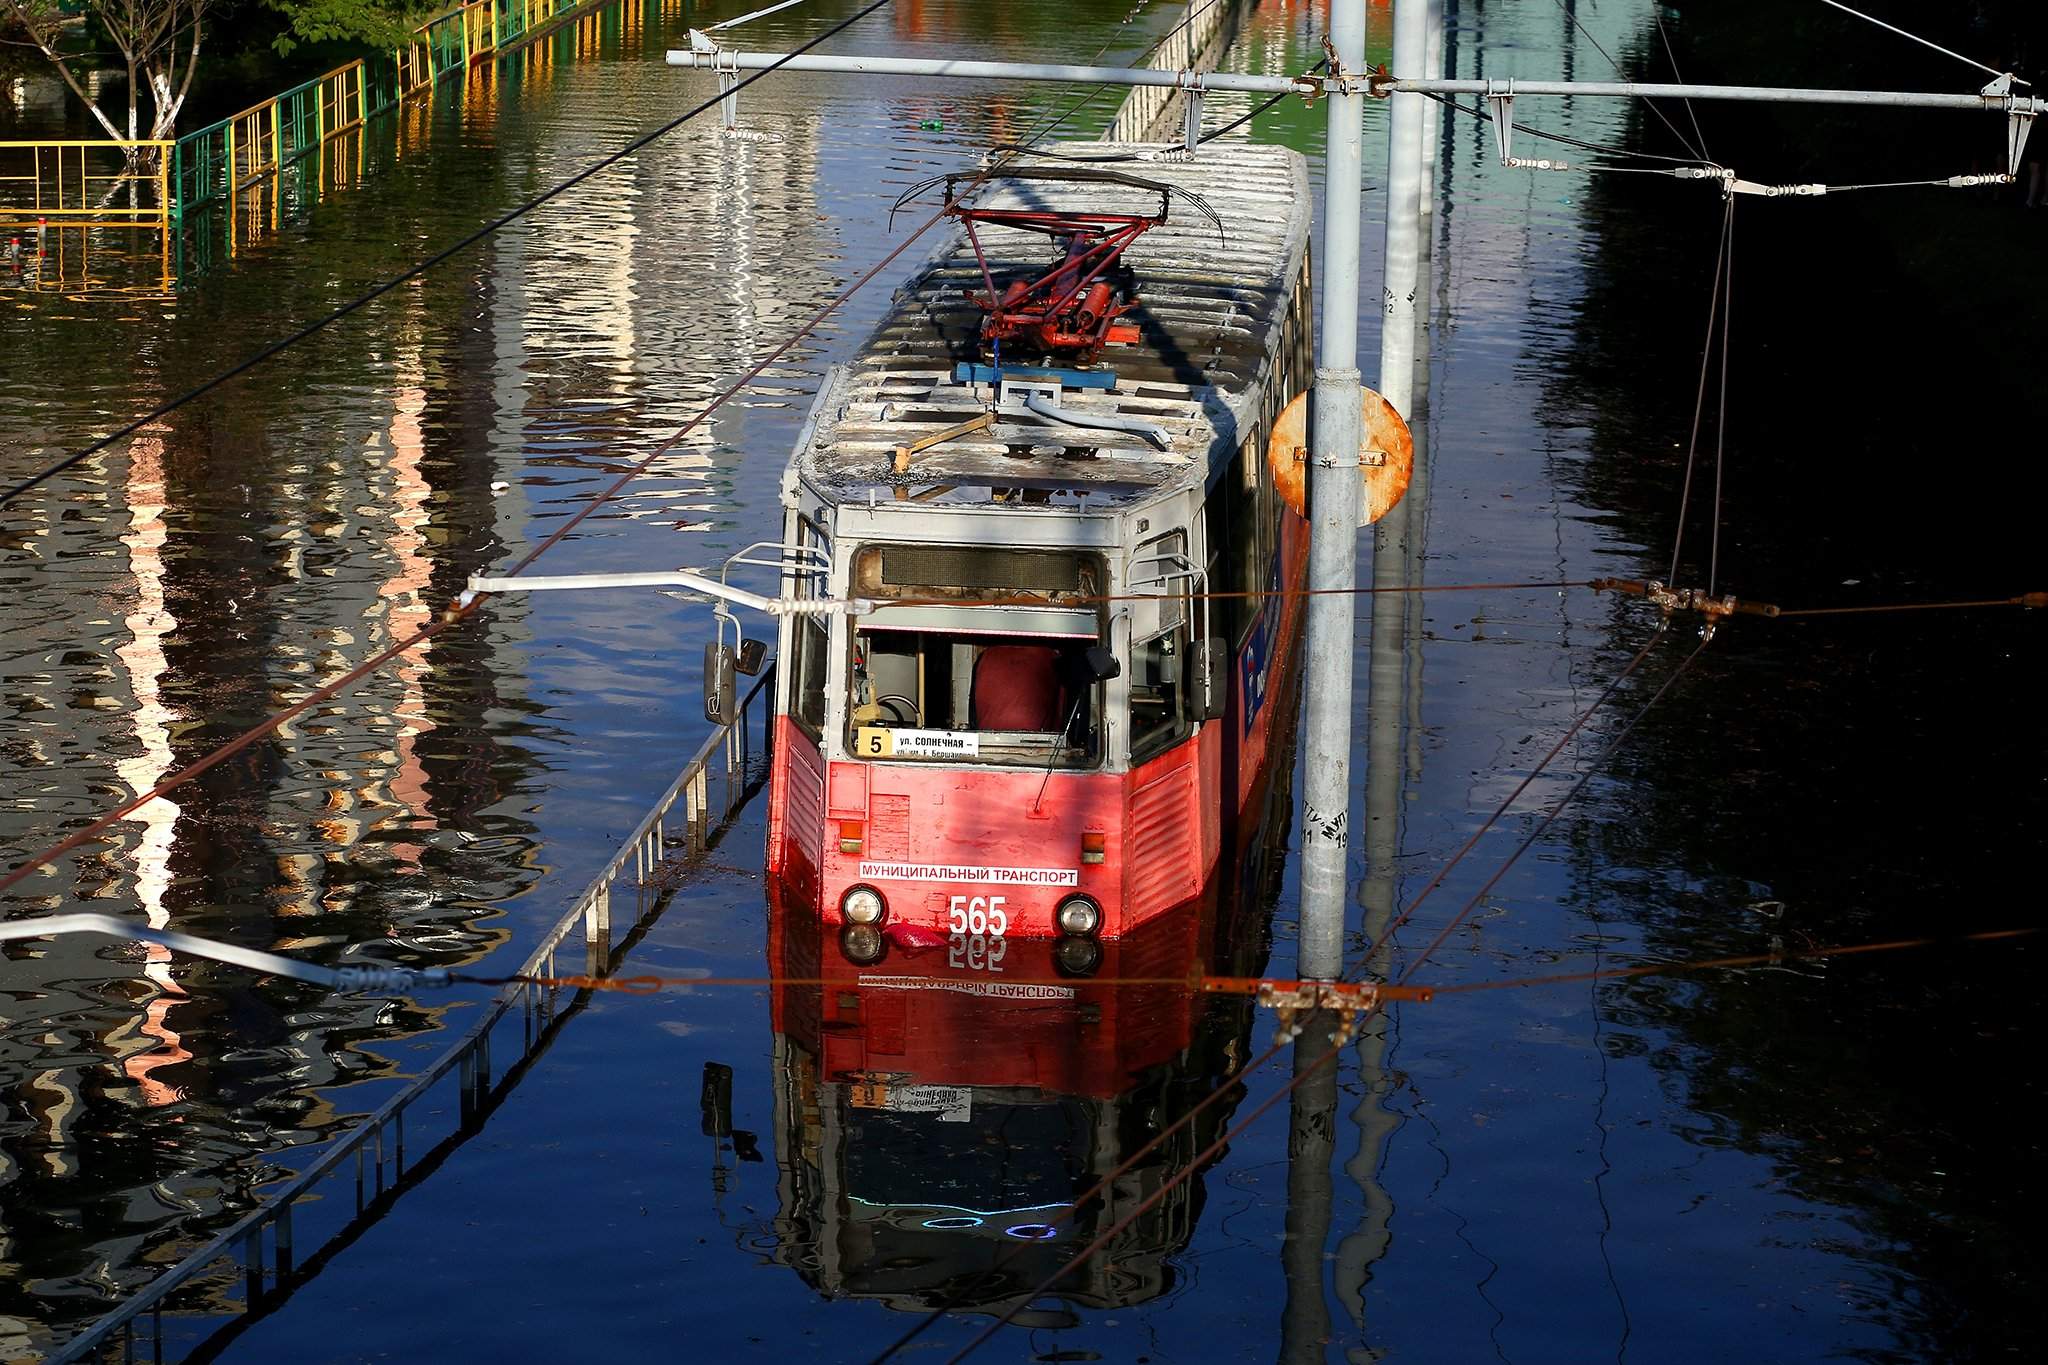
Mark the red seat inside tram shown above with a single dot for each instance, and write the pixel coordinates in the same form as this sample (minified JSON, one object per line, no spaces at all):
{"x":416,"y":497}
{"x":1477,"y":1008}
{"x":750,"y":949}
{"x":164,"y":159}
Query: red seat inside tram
{"x":1017,"y":687}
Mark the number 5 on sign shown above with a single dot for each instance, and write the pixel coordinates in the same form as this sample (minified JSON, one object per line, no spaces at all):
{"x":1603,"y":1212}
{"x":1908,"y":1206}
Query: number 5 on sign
{"x":978,"y":915}
{"x":873,"y":741}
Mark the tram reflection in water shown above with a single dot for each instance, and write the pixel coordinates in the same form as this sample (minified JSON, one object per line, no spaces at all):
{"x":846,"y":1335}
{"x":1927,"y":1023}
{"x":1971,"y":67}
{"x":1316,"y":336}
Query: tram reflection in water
{"x":944,"y":1103}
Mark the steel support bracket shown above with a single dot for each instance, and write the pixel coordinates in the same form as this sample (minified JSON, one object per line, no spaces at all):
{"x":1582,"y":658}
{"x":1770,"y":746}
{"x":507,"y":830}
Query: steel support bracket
{"x":2017,"y":126}
{"x":1351,"y":1001}
{"x":1501,"y":104}
{"x":1502,"y":107}
{"x":729,"y":91}
{"x":1191,"y":89}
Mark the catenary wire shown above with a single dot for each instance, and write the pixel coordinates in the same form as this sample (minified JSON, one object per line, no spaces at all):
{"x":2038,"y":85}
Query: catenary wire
{"x":1683,"y":141}
{"x":1946,"y":52}
{"x":1692,"y":445}
{"x":1721,"y":419}
{"x":1281,"y":1041}
{"x":1671,"y":55}
{"x":1566,"y":139}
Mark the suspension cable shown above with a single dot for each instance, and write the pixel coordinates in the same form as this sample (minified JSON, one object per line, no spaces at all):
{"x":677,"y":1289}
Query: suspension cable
{"x":1566,"y":139}
{"x":1721,"y":418}
{"x":1699,"y":408}
{"x":1550,"y":817}
{"x":1683,"y":141}
{"x":1284,"y":1037}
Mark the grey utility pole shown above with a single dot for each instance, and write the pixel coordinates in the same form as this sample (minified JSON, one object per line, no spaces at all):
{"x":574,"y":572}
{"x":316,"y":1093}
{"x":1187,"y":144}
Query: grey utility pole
{"x":1406,"y":120}
{"x":1333,"y":500}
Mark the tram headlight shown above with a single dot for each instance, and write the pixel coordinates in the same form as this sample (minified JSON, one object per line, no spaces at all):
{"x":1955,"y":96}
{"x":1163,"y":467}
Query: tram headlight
{"x":1078,"y":916}
{"x":1077,"y":956}
{"x":862,"y":944}
{"x":863,"y":905}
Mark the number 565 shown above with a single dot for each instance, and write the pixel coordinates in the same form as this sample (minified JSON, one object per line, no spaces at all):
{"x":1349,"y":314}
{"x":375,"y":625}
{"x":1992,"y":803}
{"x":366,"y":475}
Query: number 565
{"x":978,"y":915}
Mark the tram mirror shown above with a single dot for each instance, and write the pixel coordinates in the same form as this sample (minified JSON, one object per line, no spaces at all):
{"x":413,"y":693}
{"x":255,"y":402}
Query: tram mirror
{"x":753,"y":653}
{"x":715,"y":1100}
{"x":721,"y":699}
{"x":1212,"y":678}
{"x":1101,"y":663}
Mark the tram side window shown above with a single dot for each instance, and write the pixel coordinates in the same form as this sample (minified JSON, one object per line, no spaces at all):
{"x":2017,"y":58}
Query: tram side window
{"x":1159,"y":646}
{"x":1235,"y":561}
{"x":1159,"y":692}
{"x":808,"y":640}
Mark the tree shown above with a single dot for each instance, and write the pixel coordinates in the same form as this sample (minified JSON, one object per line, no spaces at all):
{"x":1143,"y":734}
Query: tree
{"x":157,"y":40}
{"x":378,"y":23}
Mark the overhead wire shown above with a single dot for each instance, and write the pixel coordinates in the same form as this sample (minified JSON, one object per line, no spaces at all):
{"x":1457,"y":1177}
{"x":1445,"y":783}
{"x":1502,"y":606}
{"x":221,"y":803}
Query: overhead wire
{"x":2031,"y":600}
{"x":1671,"y":56}
{"x":1543,"y":825}
{"x":1305,"y":1070}
{"x":383,"y":978}
{"x":420,"y":268}
{"x":1202,"y":141}
{"x":1721,"y":418}
{"x":1699,"y":409}
{"x":1768,"y":959}
{"x":1699,"y":150}
{"x":1565,"y":139}
{"x":1302,"y":1072}
{"x":1914,"y":37}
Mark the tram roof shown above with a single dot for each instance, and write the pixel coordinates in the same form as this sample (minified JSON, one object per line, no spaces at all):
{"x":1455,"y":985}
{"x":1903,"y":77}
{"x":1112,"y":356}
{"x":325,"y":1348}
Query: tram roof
{"x":1209,"y":317}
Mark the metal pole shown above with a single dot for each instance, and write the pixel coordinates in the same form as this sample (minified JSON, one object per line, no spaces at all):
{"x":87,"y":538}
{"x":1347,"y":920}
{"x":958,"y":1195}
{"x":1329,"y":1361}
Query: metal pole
{"x":1386,"y":671}
{"x":1404,"y":210}
{"x":1768,"y":94}
{"x":1311,"y":1143}
{"x":1005,"y":71}
{"x":1333,"y":498}
{"x":1352,"y":82}
{"x":1432,"y":122}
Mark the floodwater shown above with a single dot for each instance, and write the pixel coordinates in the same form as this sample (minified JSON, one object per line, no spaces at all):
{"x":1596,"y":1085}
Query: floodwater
{"x":1813,"y":1159}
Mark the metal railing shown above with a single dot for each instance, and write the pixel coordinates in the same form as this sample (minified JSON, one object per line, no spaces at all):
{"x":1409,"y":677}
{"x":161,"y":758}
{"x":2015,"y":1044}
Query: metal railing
{"x":56,"y":183}
{"x":259,"y":1250}
{"x":222,"y":159}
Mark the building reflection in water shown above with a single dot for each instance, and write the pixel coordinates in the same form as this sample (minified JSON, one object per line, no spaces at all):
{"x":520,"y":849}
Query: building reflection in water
{"x":137,"y":1115}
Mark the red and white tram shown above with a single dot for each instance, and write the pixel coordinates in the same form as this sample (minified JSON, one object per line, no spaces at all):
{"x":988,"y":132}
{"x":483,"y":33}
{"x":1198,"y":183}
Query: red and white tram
{"x":1055,"y":713}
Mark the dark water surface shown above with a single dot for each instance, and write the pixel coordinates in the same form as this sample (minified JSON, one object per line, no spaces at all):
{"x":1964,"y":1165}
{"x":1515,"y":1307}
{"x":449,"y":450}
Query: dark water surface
{"x":1811,"y":1160}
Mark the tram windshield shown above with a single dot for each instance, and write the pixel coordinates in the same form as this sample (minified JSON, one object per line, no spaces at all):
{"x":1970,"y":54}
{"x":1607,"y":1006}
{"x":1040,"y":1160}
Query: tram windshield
{"x":945,"y":673}
{"x":1029,"y":698}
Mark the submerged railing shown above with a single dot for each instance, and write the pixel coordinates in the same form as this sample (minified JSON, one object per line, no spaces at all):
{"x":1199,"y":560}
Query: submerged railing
{"x":58,"y":198}
{"x":222,"y":185}
{"x":259,"y":1249}
{"x":244,"y":157}
{"x":67,"y":184}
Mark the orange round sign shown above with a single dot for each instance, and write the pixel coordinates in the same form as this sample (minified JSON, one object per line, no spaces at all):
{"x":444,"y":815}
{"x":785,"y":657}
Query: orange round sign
{"x":1386,"y":456}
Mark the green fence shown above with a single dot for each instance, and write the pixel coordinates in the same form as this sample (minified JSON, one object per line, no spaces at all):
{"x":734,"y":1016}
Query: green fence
{"x":249,"y":151}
